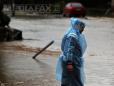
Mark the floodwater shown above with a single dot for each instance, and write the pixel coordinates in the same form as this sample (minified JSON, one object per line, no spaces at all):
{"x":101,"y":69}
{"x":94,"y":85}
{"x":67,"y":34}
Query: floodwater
{"x":17,"y":68}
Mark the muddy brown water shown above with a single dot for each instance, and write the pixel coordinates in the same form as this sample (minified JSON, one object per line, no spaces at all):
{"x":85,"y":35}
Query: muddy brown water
{"x":18,"y":68}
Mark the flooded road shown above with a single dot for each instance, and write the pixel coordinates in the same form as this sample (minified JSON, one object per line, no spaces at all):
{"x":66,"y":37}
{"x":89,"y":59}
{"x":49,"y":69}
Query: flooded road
{"x":17,"y":68}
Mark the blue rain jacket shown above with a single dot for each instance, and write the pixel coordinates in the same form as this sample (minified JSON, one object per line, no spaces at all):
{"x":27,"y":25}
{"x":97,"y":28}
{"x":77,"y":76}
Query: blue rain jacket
{"x":71,"y":52}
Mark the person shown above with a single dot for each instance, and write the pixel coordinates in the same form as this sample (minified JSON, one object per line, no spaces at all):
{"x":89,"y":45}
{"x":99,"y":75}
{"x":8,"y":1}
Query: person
{"x":4,"y":19}
{"x":70,"y":64}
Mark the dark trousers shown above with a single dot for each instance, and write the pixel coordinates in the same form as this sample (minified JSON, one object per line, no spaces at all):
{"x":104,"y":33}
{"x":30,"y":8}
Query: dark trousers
{"x":71,"y":78}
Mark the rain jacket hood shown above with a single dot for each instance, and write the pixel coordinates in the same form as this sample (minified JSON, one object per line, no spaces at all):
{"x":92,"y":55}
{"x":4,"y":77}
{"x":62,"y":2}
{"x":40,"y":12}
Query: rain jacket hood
{"x":74,"y":22}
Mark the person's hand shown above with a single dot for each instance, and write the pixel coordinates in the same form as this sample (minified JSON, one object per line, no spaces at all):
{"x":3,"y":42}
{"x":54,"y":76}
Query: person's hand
{"x":70,"y":66}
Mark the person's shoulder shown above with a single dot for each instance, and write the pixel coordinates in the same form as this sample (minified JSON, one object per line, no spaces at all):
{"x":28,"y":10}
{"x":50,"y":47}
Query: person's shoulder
{"x":72,"y":35}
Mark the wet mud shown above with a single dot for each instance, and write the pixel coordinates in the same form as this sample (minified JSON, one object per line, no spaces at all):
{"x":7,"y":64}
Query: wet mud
{"x":17,"y":68}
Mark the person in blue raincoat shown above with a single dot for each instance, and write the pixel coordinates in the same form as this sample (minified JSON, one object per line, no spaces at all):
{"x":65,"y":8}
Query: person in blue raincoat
{"x":70,"y":64}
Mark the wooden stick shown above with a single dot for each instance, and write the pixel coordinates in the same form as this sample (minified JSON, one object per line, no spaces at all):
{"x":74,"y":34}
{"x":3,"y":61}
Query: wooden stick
{"x":49,"y":44}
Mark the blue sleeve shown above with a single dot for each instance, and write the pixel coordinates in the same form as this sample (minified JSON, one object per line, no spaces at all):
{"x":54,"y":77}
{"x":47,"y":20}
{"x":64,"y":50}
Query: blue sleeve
{"x":63,"y":42}
{"x":74,"y":49}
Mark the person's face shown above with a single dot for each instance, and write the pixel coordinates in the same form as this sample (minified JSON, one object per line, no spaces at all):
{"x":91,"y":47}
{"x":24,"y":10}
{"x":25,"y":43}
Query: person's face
{"x":81,"y":28}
